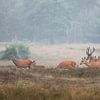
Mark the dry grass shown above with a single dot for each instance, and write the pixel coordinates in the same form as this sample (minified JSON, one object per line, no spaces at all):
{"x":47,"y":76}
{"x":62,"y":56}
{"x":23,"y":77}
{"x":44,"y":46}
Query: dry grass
{"x":41,"y":92}
{"x":49,"y":84}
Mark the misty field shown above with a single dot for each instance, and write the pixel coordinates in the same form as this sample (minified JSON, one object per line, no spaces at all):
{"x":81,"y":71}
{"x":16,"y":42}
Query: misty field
{"x":49,"y":84}
{"x":52,"y":55}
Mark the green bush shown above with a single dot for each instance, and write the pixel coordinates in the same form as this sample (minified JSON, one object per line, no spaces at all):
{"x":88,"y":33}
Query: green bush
{"x":17,"y":50}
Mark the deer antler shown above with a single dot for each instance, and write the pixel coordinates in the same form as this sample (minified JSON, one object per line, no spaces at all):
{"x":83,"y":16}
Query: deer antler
{"x":93,"y":50}
{"x":89,"y":51}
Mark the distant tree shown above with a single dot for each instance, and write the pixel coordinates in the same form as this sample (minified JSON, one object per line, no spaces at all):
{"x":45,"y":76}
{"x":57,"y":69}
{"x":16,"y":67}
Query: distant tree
{"x":17,"y":50}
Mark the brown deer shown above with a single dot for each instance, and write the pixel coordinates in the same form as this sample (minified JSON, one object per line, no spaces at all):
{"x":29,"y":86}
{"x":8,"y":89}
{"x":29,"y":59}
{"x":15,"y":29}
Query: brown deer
{"x":21,"y":63}
{"x":89,"y":53}
{"x":90,"y":63}
{"x":34,"y":65}
{"x":67,"y":64}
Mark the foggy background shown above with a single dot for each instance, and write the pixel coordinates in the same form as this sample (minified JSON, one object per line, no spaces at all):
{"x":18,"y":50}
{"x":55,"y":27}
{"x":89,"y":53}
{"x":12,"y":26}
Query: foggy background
{"x":50,"y":21}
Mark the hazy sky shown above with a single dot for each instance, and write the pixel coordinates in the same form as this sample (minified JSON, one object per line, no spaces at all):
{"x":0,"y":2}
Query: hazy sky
{"x":52,"y":21}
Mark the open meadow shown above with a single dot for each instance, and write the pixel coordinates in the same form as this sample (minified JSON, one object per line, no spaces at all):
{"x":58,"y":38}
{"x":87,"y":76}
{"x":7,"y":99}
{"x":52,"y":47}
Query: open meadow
{"x":49,"y":84}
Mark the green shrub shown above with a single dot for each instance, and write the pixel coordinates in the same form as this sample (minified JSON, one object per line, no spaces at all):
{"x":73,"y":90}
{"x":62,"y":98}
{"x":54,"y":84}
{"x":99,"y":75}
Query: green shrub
{"x":17,"y":50}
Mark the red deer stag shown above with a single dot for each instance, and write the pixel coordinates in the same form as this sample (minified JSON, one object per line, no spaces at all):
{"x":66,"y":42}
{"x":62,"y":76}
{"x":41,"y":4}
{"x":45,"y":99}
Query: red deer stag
{"x":67,"y":64}
{"x":22,"y":63}
{"x":34,"y":65}
{"x":90,"y":63}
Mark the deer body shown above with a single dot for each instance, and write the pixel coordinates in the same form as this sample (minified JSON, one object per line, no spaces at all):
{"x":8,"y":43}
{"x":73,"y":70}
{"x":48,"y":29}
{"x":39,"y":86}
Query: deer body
{"x":22,"y":63}
{"x":67,"y":64}
{"x":93,"y":64}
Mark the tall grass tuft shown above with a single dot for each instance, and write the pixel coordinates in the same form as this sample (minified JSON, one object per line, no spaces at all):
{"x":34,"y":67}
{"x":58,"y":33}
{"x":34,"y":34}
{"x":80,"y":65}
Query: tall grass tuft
{"x":39,"y":92}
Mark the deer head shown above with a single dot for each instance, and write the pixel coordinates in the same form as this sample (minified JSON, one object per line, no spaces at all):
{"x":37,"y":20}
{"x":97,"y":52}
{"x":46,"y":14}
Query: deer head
{"x":89,"y":52}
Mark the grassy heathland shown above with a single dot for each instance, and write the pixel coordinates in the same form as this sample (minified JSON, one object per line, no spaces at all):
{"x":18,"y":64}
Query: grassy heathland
{"x":49,"y":84}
